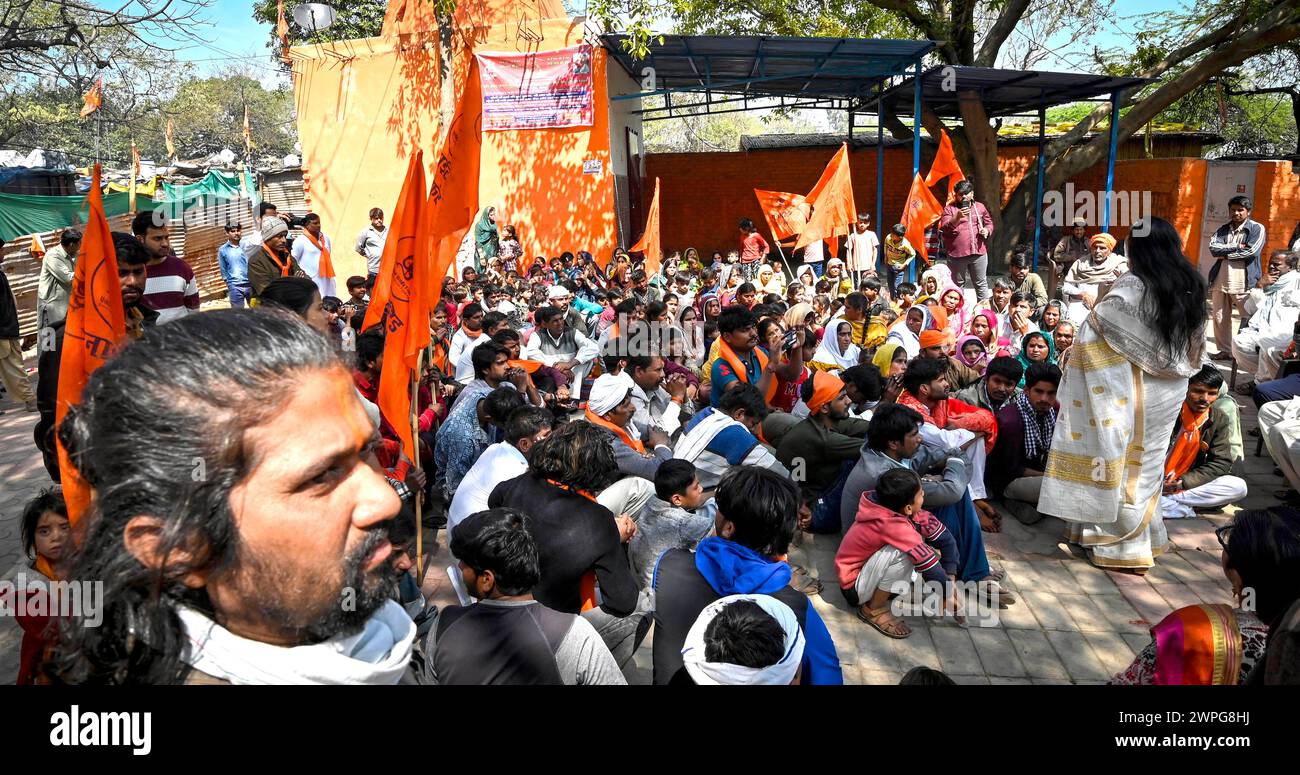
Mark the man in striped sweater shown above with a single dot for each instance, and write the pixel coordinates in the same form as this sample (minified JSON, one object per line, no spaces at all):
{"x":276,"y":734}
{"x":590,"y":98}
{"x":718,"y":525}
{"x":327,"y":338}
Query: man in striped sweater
{"x":171,"y":290}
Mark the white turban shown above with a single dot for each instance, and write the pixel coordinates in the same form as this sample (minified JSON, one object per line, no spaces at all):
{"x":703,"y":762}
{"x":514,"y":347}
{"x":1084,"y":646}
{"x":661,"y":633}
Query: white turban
{"x":558,"y":292}
{"x":726,"y":674}
{"x":607,"y":392}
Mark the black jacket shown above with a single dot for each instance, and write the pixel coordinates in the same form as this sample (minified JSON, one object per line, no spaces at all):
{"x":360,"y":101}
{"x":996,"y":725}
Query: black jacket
{"x":8,"y":309}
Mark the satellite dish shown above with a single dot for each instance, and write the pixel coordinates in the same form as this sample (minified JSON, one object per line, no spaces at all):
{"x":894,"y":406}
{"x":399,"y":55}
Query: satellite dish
{"x":314,"y":17}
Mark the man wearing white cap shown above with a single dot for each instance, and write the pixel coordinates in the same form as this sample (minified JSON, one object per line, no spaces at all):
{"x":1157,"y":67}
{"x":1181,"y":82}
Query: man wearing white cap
{"x":575,"y":316}
{"x":559,"y":345}
{"x":743,"y":640}
{"x":610,"y":407}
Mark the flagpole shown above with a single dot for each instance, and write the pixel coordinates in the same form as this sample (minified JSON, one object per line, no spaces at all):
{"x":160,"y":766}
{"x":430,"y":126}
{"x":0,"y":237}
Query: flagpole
{"x":415,"y":460}
{"x":780,"y":252}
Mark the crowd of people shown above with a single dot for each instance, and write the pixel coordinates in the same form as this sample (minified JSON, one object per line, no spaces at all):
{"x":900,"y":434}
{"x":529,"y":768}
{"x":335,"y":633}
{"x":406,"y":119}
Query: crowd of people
{"x":620,"y":445}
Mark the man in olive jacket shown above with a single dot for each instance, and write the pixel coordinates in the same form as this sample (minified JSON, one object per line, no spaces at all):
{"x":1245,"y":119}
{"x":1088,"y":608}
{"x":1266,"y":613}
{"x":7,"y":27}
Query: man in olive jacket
{"x":1207,"y":481}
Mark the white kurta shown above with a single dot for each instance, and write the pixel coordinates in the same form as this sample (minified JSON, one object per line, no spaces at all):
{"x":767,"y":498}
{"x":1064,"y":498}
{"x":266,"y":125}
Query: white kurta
{"x":308,"y":257}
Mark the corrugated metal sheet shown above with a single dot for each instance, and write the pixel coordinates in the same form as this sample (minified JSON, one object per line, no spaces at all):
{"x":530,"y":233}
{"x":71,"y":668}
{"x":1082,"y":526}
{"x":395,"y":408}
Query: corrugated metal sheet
{"x":196,"y":241}
{"x":284,"y":189}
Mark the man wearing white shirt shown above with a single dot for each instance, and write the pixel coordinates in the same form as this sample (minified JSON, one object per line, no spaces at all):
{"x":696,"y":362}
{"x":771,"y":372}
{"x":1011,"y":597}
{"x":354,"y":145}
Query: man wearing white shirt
{"x":561,"y":347}
{"x":370,"y":244}
{"x":500,"y":462}
{"x":468,"y":335}
{"x":1273,"y":307}
{"x":658,"y":401}
{"x":464,"y":365}
{"x":312,"y":252}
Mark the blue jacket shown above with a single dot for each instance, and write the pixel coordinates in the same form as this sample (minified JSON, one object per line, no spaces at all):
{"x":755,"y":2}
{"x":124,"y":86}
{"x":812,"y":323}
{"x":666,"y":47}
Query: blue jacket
{"x":732,"y":569}
{"x":1250,"y":252}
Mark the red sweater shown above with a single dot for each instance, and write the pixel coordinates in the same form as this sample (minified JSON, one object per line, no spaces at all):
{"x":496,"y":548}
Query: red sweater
{"x":876,"y":527}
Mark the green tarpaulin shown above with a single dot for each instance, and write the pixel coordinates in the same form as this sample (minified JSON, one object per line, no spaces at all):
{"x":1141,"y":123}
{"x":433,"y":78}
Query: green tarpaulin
{"x":21,"y":215}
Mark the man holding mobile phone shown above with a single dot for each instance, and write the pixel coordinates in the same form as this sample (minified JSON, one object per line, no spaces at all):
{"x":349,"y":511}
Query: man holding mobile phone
{"x":965,"y":227}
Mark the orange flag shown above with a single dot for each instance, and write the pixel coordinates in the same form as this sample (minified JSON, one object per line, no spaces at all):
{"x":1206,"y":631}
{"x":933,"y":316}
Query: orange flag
{"x":282,"y":32}
{"x":786,"y":213}
{"x":248,"y":133}
{"x":93,"y":98}
{"x":834,"y":212}
{"x":407,"y":320}
{"x":453,"y":200}
{"x":167,"y":137}
{"x":649,"y":242}
{"x":96,"y":323}
{"x":921,"y":210}
{"x":945,"y":164}
{"x":37,"y":248}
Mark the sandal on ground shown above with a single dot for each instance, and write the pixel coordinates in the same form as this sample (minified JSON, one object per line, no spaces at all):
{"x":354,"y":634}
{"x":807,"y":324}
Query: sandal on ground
{"x":803,"y":581}
{"x":992,"y":591}
{"x":997,"y":574}
{"x":893,"y":627}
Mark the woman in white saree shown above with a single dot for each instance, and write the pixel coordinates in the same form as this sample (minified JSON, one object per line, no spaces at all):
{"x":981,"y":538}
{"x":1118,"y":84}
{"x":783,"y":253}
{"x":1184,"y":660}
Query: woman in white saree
{"x":1120,"y":395}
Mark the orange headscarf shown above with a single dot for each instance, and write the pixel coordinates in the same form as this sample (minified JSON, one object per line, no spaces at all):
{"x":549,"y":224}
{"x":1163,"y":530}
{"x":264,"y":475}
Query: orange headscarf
{"x":1188,"y":444}
{"x":826,"y":388}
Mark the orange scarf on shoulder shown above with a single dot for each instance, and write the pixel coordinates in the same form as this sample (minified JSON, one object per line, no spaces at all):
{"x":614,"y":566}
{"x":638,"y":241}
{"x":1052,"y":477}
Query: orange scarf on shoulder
{"x":622,"y":433}
{"x":275,"y":256}
{"x":588,"y":583}
{"x":326,"y":268}
{"x":727,"y":354}
{"x":45,"y":569}
{"x":1188,"y":444}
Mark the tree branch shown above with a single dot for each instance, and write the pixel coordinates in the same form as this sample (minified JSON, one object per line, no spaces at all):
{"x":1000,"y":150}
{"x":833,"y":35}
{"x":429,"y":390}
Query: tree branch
{"x":924,"y":24}
{"x":1001,"y":30}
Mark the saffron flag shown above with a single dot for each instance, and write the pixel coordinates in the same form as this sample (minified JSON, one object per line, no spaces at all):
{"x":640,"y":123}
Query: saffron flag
{"x":93,"y":98}
{"x":786,"y":214}
{"x":282,"y":32}
{"x":96,"y":323}
{"x":135,"y":173}
{"x":452,"y":205}
{"x":834,"y":212}
{"x":921,"y":210}
{"x":406,"y":311}
{"x":649,"y":242}
{"x":945,"y":164}
{"x":248,"y":133}
{"x":167,"y":137}
{"x":37,"y":248}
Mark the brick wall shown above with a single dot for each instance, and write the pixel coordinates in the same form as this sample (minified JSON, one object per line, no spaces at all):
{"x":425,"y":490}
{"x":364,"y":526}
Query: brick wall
{"x":706,"y":194}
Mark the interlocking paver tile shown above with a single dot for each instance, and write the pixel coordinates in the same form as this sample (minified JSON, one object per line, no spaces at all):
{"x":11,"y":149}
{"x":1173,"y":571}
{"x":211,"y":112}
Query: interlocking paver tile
{"x":1077,"y":656}
{"x":1037,"y":655}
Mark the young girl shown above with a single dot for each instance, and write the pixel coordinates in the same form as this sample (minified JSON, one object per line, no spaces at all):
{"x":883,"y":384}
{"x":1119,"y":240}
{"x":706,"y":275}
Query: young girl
{"x":971,"y":351}
{"x":47,"y":541}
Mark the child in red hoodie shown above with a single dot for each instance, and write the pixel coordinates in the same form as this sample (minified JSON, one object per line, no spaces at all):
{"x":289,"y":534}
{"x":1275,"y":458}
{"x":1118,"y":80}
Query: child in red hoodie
{"x":891,"y":538}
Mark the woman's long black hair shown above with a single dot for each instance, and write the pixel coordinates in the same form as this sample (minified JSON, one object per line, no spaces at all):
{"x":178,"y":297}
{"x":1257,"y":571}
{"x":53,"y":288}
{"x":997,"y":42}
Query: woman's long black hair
{"x":1264,"y":549}
{"x":1175,"y":291}
{"x":161,"y":432}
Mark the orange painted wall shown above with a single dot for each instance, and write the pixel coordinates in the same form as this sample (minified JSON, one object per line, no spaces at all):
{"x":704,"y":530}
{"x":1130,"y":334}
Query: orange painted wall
{"x":706,"y":194}
{"x":1277,"y":201}
{"x":365,"y":105}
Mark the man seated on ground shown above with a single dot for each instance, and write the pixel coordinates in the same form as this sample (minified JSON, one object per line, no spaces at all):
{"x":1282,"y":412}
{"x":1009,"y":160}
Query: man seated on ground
{"x":464,"y":436}
{"x":1019,"y":458}
{"x":822,"y":448}
{"x":469,"y":335}
{"x":739,"y":357}
{"x":560,"y":346}
{"x":659,"y":401}
{"x":507,"y":637}
{"x":1028,"y":283}
{"x":533,"y":371}
{"x":1063,"y":338}
{"x":132,"y":274}
{"x":722,"y":437}
{"x":610,"y":407}
{"x":1000,"y":305}
{"x":524,"y":428}
{"x":948,"y":423}
{"x":1279,"y":424}
{"x":580,"y":542}
{"x":492,"y":323}
{"x":937,"y":345}
{"x":894,"y":441}
{"x":892,"y":540}
{"x":743,"y":640}
{"x":997,"y":387}
{"x":757,"y":510}
{"x":1201,"y":459}
{"x":286,"y":483}
{"x":1273,"y":308}
{"x":670,"y":519}
{"x":864,"y":387}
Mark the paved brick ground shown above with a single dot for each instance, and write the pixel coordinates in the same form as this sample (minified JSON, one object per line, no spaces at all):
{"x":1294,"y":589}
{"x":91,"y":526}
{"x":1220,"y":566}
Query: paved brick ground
{"x":1074,"y":623}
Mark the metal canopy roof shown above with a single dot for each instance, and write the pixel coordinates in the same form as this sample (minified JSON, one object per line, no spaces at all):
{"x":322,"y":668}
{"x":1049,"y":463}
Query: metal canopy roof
{"x":768,"y":66}
{"x":1002,"y":91}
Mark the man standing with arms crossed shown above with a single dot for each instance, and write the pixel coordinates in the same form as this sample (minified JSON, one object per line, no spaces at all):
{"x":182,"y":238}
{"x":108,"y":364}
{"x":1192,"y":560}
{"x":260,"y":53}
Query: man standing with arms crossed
{"x":370,"y":245}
